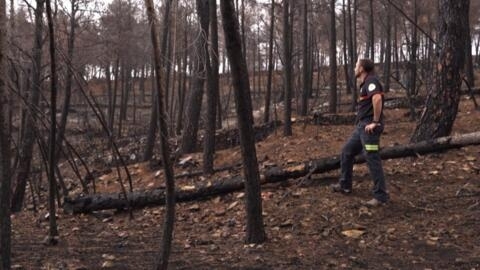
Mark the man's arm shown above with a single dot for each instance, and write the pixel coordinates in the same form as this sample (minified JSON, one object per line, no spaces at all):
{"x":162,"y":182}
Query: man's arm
{"x":377,"y":111}
{"x":377,"y":107}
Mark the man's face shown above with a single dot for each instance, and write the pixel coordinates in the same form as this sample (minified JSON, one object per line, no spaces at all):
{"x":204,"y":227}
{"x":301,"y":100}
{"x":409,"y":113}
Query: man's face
{"x":358,"y":69}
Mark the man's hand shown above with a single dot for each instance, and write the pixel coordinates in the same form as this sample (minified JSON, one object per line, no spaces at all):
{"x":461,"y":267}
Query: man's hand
{"x":370,"y":128}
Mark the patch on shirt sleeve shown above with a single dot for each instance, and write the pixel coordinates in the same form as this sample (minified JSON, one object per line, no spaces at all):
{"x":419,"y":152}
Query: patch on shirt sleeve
{"x":372,"y":87}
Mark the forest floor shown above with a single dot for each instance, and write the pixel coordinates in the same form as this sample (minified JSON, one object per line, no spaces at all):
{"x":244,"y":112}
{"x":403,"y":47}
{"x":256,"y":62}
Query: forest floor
{"x":431,"y":222}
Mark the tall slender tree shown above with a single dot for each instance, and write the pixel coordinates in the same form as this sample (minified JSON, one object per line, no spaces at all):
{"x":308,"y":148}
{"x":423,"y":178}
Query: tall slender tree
{"x":214,"y":55}
{"x":370,"y":48}
{"x":306,"y":58}
{"x":213,"y":93}
{"x":255,"y":228}
{"x":52,"y":185}
{"x":152,"y":131}
{"x":183,"y":85}
{"x":165,"y":150}
{"x":346,"y":59}
{"x":333,"y":60}
{"x":352,"y":52}
{"x":412,"y":62}
{"x":266,"y":116}
{"x":194,"y":101}
{"x":209,"y":140}
{"x":469,"y":71}
{"x":288,"y":69}
{"x":388,"y":47}
{"x":5,"y":222}
{"x":74,"y":5}
{"x":28,"y":139}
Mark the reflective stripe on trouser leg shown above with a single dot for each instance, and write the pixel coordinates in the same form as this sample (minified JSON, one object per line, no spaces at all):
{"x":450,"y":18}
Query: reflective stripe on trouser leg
{"x":371,"y":144}
{"x":371,"y":147}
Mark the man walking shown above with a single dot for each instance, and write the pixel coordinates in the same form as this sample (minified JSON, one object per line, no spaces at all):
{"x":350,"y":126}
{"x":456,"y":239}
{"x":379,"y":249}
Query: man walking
{"x":366,"y":136}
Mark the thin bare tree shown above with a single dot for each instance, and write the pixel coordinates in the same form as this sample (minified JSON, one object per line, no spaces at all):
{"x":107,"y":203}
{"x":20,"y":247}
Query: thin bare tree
{"x":266,"y":117}
{"x":212,"y":89}
{"x":370,"y":46}
{"x":164,"y":147}
{"x":412,"y":63}
{"x":388,"y":47}
{"x":332,"y":101}
{"x":5,"y":222}
{"x":194,"y":101}
{"x":52,"y":185}
{"x":152,"y":131}
{"x":255,"y":231}
{"x":28,"y":139}
{"x":306,"y":59}
{"x":352,"y":51}
{"x":287,"y":68}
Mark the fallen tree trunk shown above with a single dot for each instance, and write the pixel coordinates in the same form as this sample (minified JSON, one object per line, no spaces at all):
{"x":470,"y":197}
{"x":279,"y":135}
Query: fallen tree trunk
{"x":156,"y":197}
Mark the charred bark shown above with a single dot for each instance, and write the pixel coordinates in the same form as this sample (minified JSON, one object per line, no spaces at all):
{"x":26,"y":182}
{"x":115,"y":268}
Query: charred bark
{"x":442,"y":103}
{"x":5,"y":162}
{"x":266,"y":116}
{"x":69,"y":80}
{"x":26,"y":147}
{"x":288,"y":73}
{"x":306,"y":58}
{"x":332,"y":100}
{"x":156,"y":197}
{"x":255,"y":231}
{"x":152,"y":131}
{"x":164,"y":147}
{"x":194,"y":106}
{"x":211,"y":95}
{"x":52,"y":161}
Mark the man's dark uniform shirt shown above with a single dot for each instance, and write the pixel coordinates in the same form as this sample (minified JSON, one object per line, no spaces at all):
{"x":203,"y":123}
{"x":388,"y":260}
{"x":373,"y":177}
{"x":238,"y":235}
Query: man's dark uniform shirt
{"x":370,"y":86}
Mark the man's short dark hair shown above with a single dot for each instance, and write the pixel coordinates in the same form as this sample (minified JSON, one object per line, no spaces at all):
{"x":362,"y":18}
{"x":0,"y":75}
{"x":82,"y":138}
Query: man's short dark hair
{"x":367,"y":64}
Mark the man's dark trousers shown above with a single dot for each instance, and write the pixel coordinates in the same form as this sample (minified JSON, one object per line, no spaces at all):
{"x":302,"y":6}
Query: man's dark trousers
{"x":360,"y":141}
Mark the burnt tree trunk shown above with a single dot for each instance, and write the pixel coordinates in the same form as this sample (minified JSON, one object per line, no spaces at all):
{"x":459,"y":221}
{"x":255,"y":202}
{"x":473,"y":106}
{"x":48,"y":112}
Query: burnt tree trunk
{"x":212,"y":89}
{"x":255,"y":231}
{"x":306,"y":71}
{"x":345,"y":50}
{"x":353,"y":55}
{"x":268,"y":94}
{"x":5,"y":180}
{"x":288,"y":76}
{"x":194,"y":102}
{"x":442,"y":102}
{"x":108,"y":78}
{"x":165,"y":150}
{"x":26,"y":147}
{"x":332,"y":101}
{"x":370,"y":48}
{"x":412,"y":64}
{"x":111,"y":116}
{"x":183,"y":86}
{"x":214,"y":56}
{"x":52,"y":184}
{"x":152,"y":130}
{"x":388,"y":48}
{"x":69,"y":79}
{"x":469,"y":71}
{"x":97,"y":202}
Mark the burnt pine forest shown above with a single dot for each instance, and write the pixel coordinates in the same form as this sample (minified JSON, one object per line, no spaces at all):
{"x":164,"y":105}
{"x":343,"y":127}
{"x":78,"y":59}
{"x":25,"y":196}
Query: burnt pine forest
{"x":174,"y":134}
